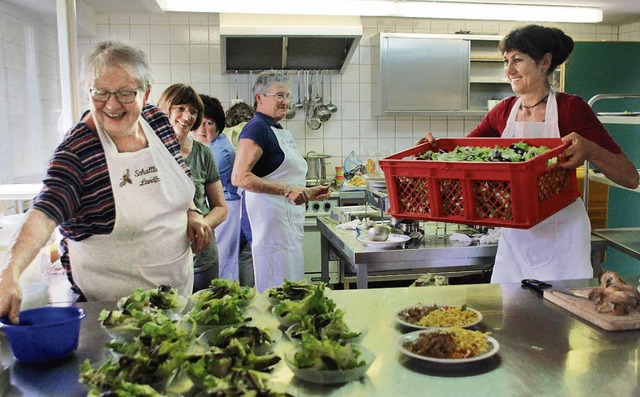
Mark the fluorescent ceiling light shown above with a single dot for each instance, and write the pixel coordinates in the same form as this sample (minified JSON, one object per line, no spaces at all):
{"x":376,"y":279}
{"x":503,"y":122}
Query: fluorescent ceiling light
{"x":391,"y":8}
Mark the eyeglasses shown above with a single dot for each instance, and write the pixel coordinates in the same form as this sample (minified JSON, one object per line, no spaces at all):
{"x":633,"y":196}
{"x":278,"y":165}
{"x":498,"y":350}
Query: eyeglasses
{"x":182,"y":109}
{"x":279,"y":95}
{"x":121,"y":96}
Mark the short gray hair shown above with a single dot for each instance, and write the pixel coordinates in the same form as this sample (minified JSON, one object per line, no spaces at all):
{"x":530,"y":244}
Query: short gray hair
{"x":113,"y":53}
{"x":267,"y":78}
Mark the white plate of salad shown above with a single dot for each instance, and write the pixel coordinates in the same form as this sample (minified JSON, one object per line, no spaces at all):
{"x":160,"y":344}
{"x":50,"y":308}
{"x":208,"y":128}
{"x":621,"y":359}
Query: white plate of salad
{"x":329,"y":362}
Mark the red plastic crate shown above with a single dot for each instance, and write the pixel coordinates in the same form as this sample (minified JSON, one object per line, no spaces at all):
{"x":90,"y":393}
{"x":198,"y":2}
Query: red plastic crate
{"x":517,"y":195}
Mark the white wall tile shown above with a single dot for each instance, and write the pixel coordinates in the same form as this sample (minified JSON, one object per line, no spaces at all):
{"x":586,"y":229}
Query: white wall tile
{"x":120,"y":32}
{"x":180,"y":53}
{"x":199,"y":73}
{"x":160,"y":53}
{"x":199,"y":54}
{"x":199,"y":19}
{"x":180,"y":72}
{"x":138,"y":19}
{"x":179,"y":34}
{"x":159,"y":19}
{"x":159,"y":34}
{"x":119,"y":19}
{"x":178,"y":18}
{"x":199,"y":34}
{"x":162,"y":73}
{"x":404,"y":128}
{"x":140,"y":34}
{"x":368,"y":129}
{"x":350,"y":92}
{"x":348,"y":145}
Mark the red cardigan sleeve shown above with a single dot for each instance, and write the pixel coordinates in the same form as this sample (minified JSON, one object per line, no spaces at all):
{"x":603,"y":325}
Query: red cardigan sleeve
{"x":575,"y":115}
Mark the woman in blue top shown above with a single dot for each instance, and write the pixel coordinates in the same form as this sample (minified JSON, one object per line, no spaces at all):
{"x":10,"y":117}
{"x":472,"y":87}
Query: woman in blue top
{"x":228,"y":232}
{"x":272,"y":171}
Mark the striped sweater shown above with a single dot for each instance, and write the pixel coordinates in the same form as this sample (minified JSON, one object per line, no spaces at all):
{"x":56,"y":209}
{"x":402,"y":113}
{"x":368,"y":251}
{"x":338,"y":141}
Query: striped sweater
{"x":77,"y":190}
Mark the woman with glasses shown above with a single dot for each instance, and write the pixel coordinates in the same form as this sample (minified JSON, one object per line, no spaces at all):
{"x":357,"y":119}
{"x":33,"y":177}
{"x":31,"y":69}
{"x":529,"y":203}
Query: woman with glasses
{"x":272,"y":171}
{"x":119,"y":191}
{"x":228,"y":232}
{"x":185,"y":109}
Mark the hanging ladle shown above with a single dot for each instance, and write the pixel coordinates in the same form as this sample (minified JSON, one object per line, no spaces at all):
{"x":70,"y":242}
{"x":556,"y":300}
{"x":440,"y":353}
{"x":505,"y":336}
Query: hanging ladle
{"x":318,"y":99}
{"x":237,"y":100}
{"x":299,"y":104}
{"x":313,"y":122}
{"x":291,"y":111}
{"x":331,"y":106}
{"x":321,"y":111}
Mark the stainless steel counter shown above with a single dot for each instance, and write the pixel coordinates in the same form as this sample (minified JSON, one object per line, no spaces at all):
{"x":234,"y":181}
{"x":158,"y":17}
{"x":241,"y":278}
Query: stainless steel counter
{"x":434,"y":254}
{"x":544,"y":351}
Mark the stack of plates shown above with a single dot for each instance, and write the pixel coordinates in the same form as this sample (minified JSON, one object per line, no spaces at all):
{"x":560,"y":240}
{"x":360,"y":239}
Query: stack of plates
{"x":376,"y":183}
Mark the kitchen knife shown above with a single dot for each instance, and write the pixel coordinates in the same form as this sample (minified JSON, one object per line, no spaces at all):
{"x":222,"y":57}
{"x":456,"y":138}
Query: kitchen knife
{"x":536,"y":285}
{"x":571,"y":293}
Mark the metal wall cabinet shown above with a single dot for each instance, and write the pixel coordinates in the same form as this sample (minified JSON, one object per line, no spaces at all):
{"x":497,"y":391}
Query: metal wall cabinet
{"x":427,"y":73}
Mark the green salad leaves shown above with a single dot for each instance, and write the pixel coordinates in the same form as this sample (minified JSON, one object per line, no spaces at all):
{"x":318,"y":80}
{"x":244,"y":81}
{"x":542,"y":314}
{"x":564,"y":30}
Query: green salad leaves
{"x":517,"y":152}
{"x":326,"y":354}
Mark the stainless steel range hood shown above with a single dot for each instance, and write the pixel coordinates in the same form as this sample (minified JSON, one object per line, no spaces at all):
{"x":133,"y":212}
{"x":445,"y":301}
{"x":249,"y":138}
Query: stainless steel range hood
{"x":287,"y":42}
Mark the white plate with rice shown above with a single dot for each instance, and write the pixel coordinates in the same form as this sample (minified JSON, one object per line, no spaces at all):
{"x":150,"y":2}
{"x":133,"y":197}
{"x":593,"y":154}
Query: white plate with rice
{"x":405,"y":341}
{"x":446,"y":317}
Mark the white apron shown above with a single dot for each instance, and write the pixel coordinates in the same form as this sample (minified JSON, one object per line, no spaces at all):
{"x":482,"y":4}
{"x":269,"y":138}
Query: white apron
{"x":557,"y":248}
{"x":228,"y":240}
{"x":277,"y":225}
{"x":148,"y":245}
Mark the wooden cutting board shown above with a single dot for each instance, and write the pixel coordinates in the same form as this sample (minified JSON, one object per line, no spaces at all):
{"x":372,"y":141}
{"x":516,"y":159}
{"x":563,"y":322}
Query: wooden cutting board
{"x":586,"y":309}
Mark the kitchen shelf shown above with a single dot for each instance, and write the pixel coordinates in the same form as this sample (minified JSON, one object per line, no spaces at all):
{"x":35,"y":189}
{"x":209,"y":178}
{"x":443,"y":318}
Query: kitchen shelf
{"x":626,"y":240}
{"x":619,"y":119}
{"x":486,"y":59}
{"x":490,"y":80}
{"x":600,"y":178}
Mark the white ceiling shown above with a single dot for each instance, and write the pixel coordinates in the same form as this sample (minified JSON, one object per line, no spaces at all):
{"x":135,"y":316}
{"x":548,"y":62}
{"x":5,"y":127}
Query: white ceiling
{"x":615,"y":11}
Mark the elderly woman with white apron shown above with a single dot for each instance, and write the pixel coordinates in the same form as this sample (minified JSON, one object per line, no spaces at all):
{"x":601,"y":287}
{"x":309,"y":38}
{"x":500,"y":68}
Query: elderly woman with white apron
{"x":558,"y":247}
{"x":272,"y":171}
{"x":118,"y":189}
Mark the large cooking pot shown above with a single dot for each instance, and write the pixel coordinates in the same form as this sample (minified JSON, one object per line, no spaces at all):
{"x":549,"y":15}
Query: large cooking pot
{"x":316,"y":168}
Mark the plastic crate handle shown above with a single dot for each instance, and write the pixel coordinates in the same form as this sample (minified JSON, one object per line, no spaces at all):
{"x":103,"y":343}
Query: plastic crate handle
{"x":556,"y":153}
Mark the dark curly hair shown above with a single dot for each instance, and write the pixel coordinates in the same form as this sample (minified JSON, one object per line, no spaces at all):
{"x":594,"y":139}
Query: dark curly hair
{"x":213,"y":110}
{"x":536,"y":41}
{"x":239,"y":113}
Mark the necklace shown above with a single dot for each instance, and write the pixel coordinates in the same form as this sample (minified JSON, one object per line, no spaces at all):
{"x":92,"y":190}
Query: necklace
{"x":522,"y":106}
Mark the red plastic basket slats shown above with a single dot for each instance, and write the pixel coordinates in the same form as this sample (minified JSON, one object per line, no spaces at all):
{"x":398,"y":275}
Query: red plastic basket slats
{"x":517,"y":195}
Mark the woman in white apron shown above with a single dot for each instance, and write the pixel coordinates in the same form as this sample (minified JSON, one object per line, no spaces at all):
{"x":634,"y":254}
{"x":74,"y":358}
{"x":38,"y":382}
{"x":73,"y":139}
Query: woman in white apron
{"x":185,"y":109}
{"x":107,"y":267}
{"x":272,"y":171}
{"x":117,"y":187}
{"x":558,"y":247}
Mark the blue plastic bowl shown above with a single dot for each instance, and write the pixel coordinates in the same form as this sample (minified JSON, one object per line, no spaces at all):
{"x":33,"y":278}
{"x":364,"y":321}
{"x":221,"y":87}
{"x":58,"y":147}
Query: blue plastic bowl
{"x":44,"y":334}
